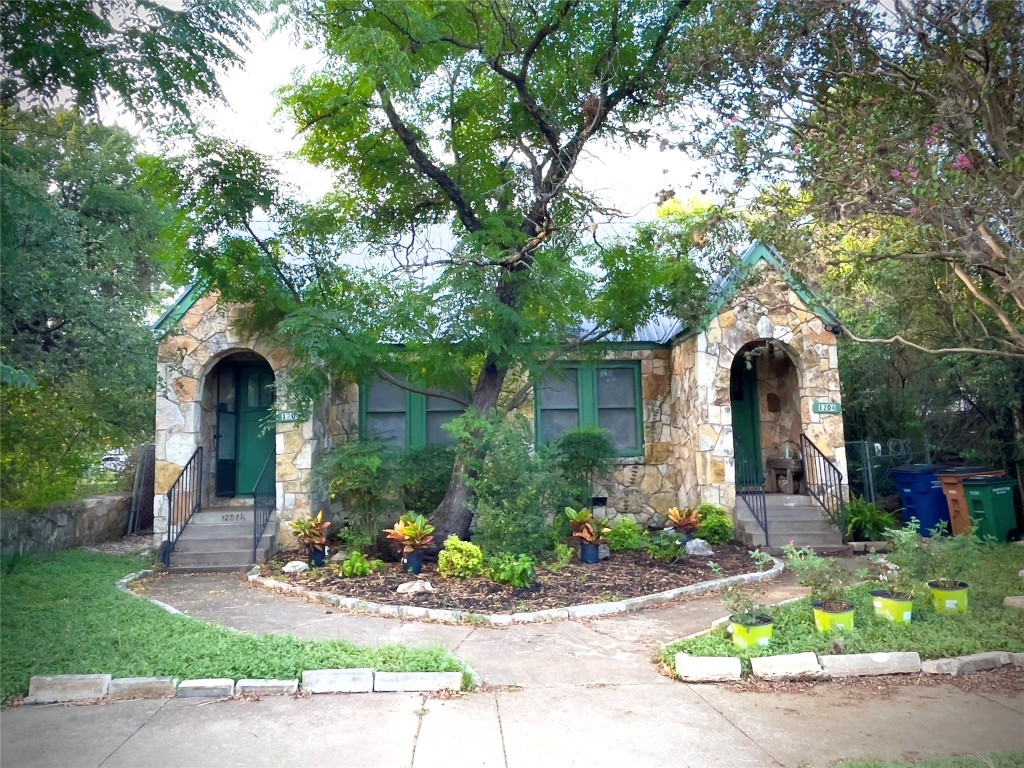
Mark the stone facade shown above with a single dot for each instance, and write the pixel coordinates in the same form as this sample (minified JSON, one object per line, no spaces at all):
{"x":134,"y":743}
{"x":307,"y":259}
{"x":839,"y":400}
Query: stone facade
{"x":688,"y":456}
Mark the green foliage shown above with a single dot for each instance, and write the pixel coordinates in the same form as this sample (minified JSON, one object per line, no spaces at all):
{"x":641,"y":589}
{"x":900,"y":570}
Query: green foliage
{"x":517,"y":570}
{"x":361,"y":473}
{"x":422,"y":477}
{"x":127,"y":637}
{"x":627,"y":535}
{"x":513,"y":489}
{"x":994,"y":760}
{"x":951,"y":558}
{"x":986,"y":626}
{"x":78,"y":284}
{"x":666,"y":547}
{"x":564,"y":555}
{"x":825,"y":577}
{"x":583,"y":455}
{"x":150,"y":57}
{"x":586,"y":527}
{"x":715,"y":524}
{"x":866,"y":521}
{"x":744,"y":602}
{"x":356,"y":566}
{"x":460,"y":559}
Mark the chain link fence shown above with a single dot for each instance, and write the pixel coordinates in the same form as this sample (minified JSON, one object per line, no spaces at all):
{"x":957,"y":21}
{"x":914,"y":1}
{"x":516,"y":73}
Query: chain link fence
{"x":869,"y":463}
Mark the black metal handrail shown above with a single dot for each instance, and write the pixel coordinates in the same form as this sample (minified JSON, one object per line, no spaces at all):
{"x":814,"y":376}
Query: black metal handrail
{"x":264,"y":501}
{"x":183,"y":500}
{"x":824,"y":482}
{"x":750,"y":486}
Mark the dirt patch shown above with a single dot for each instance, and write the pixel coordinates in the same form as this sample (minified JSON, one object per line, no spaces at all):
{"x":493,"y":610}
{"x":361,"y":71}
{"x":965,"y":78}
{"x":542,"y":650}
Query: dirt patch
{"x":623,"y":575}
{"x":126,"y":546}
{"x":1006,"y":681}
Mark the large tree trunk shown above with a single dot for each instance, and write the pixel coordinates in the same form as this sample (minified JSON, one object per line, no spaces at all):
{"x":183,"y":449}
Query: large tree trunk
{"x":453,"y":515}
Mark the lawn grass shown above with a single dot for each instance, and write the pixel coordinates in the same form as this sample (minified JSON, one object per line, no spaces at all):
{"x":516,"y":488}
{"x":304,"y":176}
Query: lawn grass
{"x":997,"y":760}
{"x":63,"y":614}
{"x":988,"y":626}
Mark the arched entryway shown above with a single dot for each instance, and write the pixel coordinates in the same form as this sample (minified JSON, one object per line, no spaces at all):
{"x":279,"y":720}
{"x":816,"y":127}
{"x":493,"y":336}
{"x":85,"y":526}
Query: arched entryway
{"x":238,"y":415}
{"x":764,"y":392}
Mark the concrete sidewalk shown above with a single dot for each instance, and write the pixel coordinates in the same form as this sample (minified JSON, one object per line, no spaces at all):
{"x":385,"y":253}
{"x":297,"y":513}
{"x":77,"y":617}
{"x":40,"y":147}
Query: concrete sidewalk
{"x":666,"y":724}
{"x":567,"y":693}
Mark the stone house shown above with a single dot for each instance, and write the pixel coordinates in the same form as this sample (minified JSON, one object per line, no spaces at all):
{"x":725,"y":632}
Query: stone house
{"x":696,"y":414}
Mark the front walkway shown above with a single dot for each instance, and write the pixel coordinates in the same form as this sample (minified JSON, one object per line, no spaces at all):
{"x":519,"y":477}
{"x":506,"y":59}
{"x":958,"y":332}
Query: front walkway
{"x":613,"y":650}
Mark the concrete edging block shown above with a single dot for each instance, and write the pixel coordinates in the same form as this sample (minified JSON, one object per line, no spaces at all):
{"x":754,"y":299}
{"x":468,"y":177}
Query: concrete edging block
{"x":787,"y":666}
{"x":142,"y":688}
{"x":265,"y":687}
{"x":414,"y":682}
{"x":862,"y":664}
{"x":982,"y":662}
{"x":707,"y":669}
{"x":52,"y":689}
{"x":359,"y":680}
{"x":210,"y":687}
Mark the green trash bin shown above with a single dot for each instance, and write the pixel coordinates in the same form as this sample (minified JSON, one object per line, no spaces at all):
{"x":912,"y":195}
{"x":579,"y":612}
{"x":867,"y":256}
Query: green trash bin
{"x":990,"y":500}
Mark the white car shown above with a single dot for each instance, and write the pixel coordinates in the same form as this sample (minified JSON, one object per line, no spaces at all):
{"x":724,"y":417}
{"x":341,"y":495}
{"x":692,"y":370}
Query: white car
{"x":115,"y":460}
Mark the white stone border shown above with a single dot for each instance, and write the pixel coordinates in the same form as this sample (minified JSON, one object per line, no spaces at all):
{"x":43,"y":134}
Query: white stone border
{"x":587,"y":610}
{"x":61,"y":689}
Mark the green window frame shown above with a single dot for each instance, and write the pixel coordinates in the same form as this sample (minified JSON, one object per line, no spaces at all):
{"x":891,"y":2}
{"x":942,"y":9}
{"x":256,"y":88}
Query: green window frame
{"x":404,"y":419}
{"x":606,"y":394}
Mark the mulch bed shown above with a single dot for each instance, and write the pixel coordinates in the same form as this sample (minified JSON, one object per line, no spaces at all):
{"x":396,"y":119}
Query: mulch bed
{"x":623,"y":575}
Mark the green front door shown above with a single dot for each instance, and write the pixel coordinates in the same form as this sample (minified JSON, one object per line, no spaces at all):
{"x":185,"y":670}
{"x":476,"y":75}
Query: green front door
{"x":255,"y":431}
{"x":746,"y":423}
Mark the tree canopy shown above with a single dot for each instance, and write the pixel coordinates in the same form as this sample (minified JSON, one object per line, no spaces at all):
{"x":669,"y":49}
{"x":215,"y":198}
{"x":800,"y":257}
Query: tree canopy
{"x":876,"y":133}
{"x":455,"y":131}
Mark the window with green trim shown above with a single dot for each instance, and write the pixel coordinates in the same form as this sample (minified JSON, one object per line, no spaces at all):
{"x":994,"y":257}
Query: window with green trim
{"x":605,"y":395}
{"x":404,"y":419}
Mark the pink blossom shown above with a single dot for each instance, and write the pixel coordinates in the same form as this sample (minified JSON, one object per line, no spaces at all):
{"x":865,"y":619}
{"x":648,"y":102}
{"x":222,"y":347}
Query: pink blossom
{"x":897,"y":175}
{"x":962,"y":163}
{"x":936,"y":128}
{"x":930,"y":141}
{"x":912,"y":171}
{"x":798,"y":148}
{"x":912,"y":211}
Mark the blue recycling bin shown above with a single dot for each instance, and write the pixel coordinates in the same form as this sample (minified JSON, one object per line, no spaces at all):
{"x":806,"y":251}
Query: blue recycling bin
{"x":921,"y":494}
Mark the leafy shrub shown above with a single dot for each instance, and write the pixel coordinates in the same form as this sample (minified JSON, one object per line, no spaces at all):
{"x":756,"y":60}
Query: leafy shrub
{"x":513,"y":489}
{"x":562,"y":557}
{"x":422,"y":476}
{"x":356,"y":565}
{"x":517,"y":570}
{"x":627,"y":535}
{"x":460,"y":559}
{"x":866,"y":521}
{"x":666,"y":547}
{"x":361,"y":473}
{"x":581,"y":456}
{"x":715,"y":524}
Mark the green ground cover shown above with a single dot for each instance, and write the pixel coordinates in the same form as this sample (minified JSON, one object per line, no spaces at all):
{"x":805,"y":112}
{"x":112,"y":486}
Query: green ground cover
{"x":63,"y":614}
{"x":988,"y":626}
{"x":999,"y":760}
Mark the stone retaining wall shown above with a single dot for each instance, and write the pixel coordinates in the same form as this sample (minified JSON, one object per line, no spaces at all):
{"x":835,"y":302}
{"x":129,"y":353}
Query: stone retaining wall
{"x":63,"y":526}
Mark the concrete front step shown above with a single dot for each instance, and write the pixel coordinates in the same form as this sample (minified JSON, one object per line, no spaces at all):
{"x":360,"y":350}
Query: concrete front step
{"x":230,"y":557}
{"x":212,"y":543}
{"x":223,"y":515}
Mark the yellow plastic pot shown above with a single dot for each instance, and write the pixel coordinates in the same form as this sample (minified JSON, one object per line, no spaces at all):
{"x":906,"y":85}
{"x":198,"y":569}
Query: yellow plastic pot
{"x":829,"y":621}
{"x":949,"y":600}
{"x":751,"y":635}
{"x":895,"y":609}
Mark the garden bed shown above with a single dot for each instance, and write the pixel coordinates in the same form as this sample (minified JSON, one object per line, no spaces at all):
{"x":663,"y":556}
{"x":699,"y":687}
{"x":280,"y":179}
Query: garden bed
{"x":624,"y":575}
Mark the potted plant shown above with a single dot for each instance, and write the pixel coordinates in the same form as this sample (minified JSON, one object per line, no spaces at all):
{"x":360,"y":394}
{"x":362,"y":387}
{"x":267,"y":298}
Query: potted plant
{"x":750,"y":624}
{"x":826,"y":578}
{"x":310,"y":533}
{"x":899,"y":573}
{"x":948,"y":560}
{"x":414,"y":533}
{"x":685,"y":521}
{"x":589,"y":530}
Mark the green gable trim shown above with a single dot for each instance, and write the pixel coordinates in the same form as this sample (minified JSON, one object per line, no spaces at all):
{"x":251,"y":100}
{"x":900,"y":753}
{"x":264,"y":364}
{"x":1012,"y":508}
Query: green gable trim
{"x":735,"y":280}
{"x":170,"y":319}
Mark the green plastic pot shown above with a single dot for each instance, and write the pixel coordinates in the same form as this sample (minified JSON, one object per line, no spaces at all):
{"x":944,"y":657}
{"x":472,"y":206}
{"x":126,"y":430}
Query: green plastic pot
{"x":895,"y":609}
{"x":750,"y":635}
{"x":829,"y":620}
{"x":949,"y":600}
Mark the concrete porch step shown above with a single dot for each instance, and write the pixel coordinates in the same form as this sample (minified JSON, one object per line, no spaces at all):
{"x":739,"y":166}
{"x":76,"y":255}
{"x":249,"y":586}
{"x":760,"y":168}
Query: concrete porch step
{"x":779,"y":537}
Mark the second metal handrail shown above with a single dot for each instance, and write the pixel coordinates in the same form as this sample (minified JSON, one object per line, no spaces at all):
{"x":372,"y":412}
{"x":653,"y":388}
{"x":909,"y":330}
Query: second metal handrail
{"x":824,"y":482}
{"x":183,"y":500}
{"x":750,"y":487}
{"x":264,"y":501}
